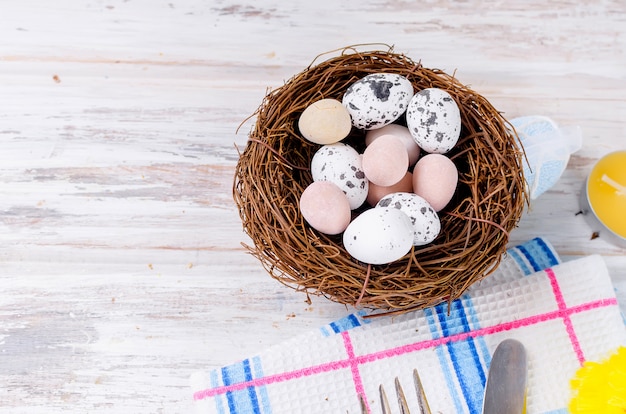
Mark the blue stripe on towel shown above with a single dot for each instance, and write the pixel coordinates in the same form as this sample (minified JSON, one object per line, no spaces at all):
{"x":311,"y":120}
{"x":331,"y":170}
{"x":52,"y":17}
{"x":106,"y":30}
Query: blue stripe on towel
{"x":475,"y":325}
{"x":262,"y":390}
{"x":537,"y":253}
{"x":443,"y":360}
{"x":343,"y":324}
{"x":251,"y":390}
{"x":229,"y":395}
{"x":550,"y":257}
{"x":219,"y":401}
{"x":520,"y":262}
{"x":471,"y":376}
{"x":530,"y":258}
{"x":242,"y":400}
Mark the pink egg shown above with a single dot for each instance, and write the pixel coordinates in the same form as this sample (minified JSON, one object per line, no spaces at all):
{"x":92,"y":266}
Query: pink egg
{"x":325,"y":207}
{"x":398,"y":131}
{"x":435,"y":178}
{"x":385,"y":161}
{"x":376,"y":192}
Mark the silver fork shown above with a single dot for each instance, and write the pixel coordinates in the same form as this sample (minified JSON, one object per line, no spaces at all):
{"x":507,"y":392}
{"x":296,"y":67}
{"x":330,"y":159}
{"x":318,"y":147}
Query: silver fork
{"x":423,"y":407}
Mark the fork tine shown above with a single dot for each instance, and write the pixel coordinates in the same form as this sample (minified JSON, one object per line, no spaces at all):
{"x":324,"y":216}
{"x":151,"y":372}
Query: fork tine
{"x":364,"y":409}
{"x":421,"y":395}
{"x":383,"y":400}
{"x":404,"y":408}
{"x":423,"y":406}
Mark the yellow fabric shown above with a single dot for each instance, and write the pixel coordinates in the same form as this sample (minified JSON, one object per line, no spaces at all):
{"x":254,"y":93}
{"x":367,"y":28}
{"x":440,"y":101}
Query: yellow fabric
{"x":600,"y":387}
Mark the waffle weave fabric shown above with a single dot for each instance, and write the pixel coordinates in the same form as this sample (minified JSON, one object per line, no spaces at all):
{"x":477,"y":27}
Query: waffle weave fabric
{"x":564,"y":314}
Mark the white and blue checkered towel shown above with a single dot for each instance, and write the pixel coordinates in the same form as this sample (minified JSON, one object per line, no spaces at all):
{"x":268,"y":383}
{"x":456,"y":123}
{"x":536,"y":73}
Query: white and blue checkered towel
{"x":564,"y":313}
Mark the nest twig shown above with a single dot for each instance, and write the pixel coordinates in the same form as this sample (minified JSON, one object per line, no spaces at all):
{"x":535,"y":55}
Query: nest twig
{"x":273,"y":170}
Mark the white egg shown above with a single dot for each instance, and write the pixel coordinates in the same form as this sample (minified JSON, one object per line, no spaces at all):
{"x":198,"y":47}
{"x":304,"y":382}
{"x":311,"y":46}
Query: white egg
{"x":342,"y":165}
{"x":424,"y":219}
{"x":379,"y":236}
{"x":377,"y":99}
{"x":434,"y":119}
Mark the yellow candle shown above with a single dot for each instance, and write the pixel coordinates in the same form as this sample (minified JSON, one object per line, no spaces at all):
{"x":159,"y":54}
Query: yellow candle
{"x":606,"y":194}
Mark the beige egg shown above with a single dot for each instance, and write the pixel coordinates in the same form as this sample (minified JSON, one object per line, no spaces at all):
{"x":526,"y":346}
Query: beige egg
{"x":325,"y":207}
{"x":435,"y":178}
{"x":385,"y":161}
{"x":325,"y":122}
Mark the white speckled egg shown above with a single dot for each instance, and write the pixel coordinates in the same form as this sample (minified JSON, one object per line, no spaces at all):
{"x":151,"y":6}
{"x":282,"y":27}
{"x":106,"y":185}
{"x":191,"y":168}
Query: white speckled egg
{"x":342,"y":165}
{"x":424,"y":219}
{"x":434,"y":119}
{"x":377,"y":99}
{"x":379,"y":236}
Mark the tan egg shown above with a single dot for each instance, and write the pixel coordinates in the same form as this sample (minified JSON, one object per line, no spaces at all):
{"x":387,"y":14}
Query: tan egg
{"x":325,"y":207}
{"x":325,"y":122}
{"x":435,"y":178}
{"x":376,"y":192}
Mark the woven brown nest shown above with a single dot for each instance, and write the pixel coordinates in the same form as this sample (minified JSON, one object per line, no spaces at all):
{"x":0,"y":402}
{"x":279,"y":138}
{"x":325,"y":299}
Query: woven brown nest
{"x":273,"y":170}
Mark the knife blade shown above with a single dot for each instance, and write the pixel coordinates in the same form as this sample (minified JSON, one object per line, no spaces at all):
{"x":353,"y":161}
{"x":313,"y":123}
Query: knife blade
{"x":505,"y":391}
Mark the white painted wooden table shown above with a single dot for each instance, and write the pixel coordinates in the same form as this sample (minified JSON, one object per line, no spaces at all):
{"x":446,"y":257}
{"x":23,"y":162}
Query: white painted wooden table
{"x":121,"y":270}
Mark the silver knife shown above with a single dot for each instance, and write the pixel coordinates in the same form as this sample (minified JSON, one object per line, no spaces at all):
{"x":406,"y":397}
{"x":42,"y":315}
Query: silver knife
{"x":505,"y":392}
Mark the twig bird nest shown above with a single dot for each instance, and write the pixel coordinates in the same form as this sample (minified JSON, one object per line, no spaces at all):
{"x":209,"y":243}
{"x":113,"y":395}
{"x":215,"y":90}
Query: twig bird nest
{"x":274,"y":169}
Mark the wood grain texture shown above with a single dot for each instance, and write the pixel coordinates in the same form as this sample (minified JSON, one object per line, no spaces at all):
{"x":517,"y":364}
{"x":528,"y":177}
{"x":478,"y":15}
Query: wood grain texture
{"x":121,"y":268}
